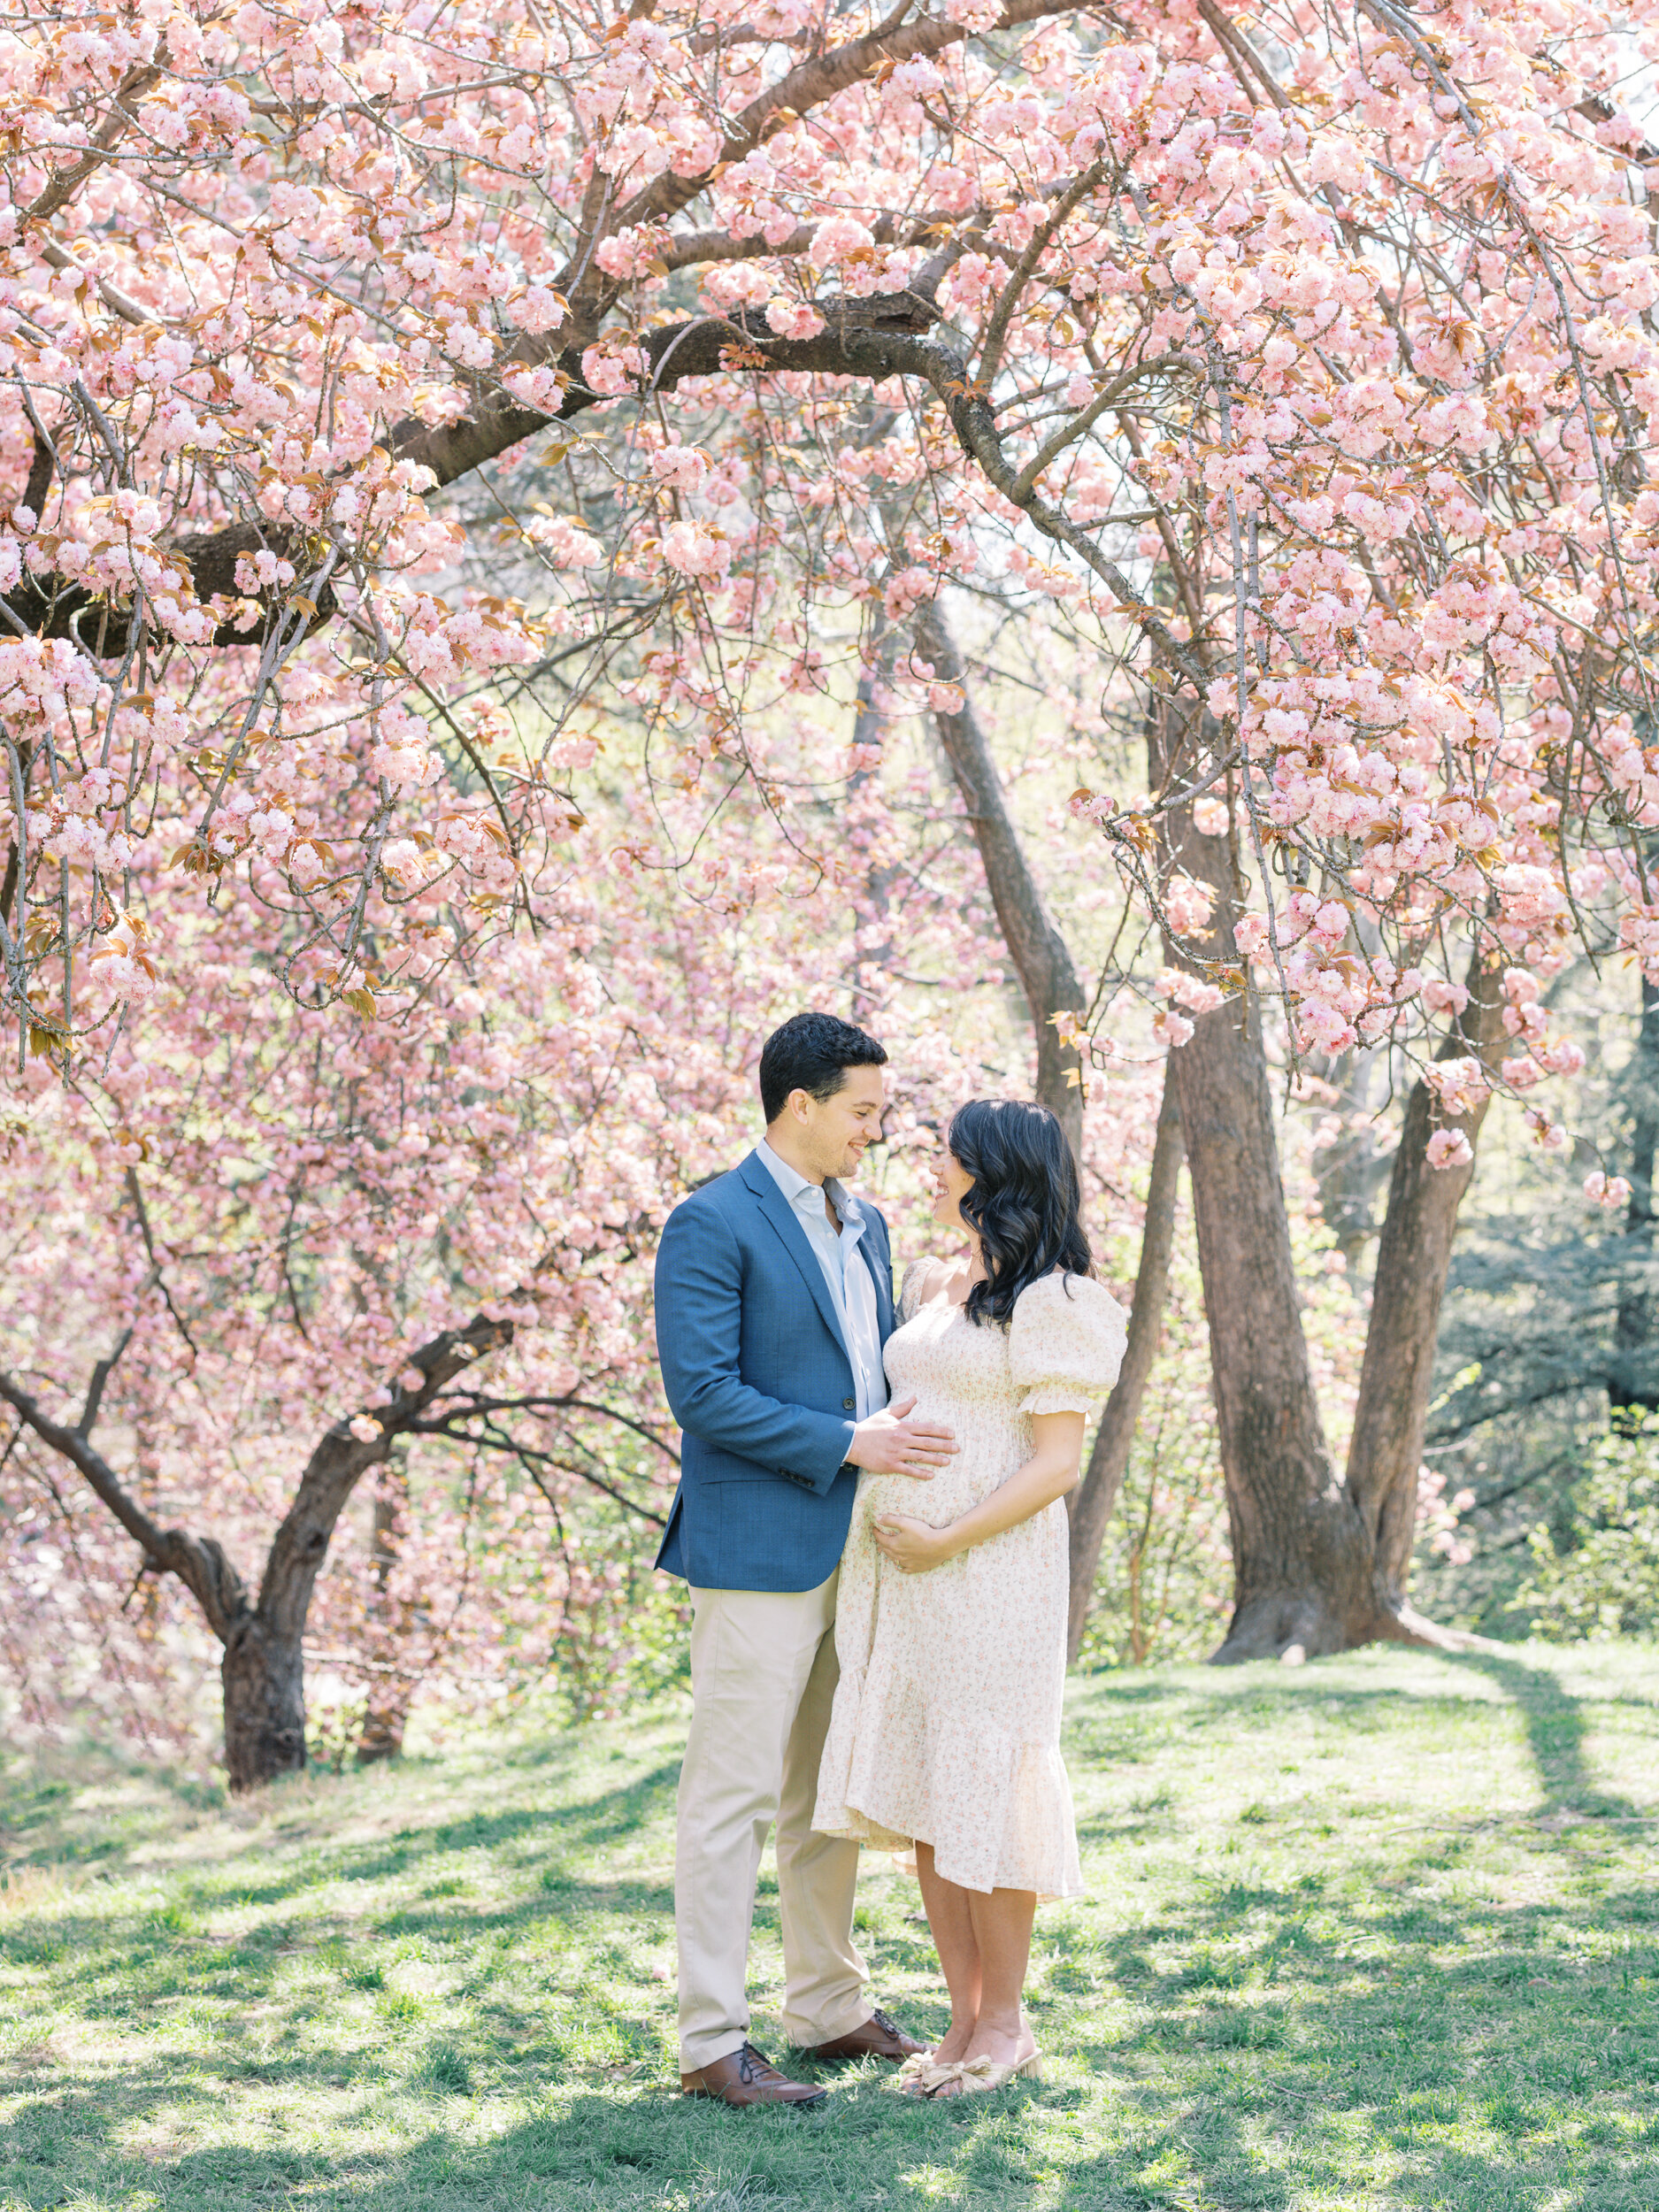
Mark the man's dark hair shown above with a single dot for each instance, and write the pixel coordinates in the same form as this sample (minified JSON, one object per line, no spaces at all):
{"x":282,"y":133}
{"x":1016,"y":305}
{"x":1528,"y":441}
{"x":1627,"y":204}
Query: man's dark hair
{"x":813,"y":1053}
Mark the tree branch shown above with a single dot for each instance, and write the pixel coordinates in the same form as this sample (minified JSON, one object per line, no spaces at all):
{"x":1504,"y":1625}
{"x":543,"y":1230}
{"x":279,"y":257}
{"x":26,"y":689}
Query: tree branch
{"x":198,"y":1561}
{"x":135,"y":1193}
{"x":810,"y":83}
{"x":67,"y":182}
{"x":42,"y":465}
{"x":332,"y":1472}
{"x":501,"y":1442}
{"x":1090,"y":1505}
{"x":1035,"y":944}
{"x":873,"y":340}
{"x":106,"y":1366}
{"x":1246,"y":61}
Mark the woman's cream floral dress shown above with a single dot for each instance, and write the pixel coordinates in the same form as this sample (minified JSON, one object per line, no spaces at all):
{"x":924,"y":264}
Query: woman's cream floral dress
{"x":946,"y":1726}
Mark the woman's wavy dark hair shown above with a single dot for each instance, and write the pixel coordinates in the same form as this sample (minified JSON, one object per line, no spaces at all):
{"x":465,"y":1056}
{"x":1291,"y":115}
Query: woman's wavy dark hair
{"x":1025,"y":1203}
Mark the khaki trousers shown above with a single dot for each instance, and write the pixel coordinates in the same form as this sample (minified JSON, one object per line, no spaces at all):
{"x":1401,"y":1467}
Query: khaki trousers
{"x":762,"y":1678}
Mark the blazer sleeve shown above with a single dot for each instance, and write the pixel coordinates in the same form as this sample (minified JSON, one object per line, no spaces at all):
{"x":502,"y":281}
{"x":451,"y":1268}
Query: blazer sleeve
{"x":699,"y":1335}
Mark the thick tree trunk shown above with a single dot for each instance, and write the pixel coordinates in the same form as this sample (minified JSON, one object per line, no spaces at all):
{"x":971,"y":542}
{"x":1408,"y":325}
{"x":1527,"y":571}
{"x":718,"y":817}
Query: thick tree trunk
{"x":1090,"y":1504}
{"x":264,"y":1678}
{"x":1300,"y":1555}
{"x":1319,"y":1564}
{"x":1413,"y":1255}
{"x":1038,"y":952}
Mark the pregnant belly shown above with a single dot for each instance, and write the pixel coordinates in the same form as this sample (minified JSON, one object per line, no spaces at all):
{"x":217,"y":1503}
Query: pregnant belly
{"x":984,"y":1464}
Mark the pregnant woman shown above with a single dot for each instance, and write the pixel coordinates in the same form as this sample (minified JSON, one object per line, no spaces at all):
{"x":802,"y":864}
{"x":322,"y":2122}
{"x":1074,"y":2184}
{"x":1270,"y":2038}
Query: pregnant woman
{"x":950,"y":1626}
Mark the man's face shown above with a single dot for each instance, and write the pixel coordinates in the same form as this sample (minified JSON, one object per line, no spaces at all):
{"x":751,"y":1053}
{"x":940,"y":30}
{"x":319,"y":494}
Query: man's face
{"x":834,"y":1132}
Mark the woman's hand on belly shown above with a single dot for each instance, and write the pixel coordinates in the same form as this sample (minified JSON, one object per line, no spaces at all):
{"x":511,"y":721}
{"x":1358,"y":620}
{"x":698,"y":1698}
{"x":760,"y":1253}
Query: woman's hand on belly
{"x":912,"y":1546}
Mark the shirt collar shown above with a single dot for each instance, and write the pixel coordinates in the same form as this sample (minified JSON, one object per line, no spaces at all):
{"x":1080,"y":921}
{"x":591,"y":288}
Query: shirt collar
{"x":792,"y":1183}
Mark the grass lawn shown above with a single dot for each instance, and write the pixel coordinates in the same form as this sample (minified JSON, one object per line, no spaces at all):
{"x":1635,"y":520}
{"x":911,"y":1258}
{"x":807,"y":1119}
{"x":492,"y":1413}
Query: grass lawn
{"x":1380,"y":1933}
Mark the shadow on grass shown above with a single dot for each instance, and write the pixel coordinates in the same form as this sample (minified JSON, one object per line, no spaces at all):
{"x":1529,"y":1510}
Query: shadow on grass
{"x":1243,"y":2130}
{"x":1554,"y":1720}
{"x":1257,"y":2050}
{"x":585,"y":1827}
{"x":1555,"y":1734}
{"x":1272,"y":2039}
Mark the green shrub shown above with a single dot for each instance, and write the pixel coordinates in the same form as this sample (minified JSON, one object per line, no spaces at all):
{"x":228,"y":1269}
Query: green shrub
{"x":1596,"y":1573}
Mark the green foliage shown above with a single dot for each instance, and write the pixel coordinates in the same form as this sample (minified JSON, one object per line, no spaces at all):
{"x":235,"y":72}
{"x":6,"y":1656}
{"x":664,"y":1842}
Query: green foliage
{"x":1551,"y":1317}
{"x":1377,"y":1932}
{"x":332,"y":1732}
{"x":629,"y":1641}
{"x":1165,"y":1576}
{"x":1597,"y":1574}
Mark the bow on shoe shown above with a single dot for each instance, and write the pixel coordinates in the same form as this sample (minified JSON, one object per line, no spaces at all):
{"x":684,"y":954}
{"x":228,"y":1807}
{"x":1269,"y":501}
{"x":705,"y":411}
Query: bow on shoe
{"x":923,"y":2076}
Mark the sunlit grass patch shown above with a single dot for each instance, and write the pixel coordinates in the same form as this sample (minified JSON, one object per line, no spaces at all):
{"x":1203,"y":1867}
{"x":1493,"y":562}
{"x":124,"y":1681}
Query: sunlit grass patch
{"x":1421,"y":1972}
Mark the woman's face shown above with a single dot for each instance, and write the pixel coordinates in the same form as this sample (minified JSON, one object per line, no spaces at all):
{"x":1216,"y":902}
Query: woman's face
{"x":951,"y":1185}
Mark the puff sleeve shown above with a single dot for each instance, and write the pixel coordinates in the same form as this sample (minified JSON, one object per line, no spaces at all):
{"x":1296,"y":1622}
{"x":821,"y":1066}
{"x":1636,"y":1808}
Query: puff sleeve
{"x":1065,"y":1345}
{"x":911,"y":1289}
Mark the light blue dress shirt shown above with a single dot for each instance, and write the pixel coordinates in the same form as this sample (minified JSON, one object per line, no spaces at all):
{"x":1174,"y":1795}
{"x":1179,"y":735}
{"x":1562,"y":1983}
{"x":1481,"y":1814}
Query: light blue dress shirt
{"x":845,"y":1271}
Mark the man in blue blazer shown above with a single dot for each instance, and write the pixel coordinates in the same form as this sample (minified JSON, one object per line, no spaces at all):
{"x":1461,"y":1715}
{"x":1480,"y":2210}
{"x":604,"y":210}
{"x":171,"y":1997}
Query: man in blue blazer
{"x":774,"y":1298}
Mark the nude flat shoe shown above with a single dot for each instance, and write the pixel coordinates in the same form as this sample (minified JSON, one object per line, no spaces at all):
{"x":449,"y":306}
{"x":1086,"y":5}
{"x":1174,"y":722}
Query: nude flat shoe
{"x":974,"y":2076}
{"x":920,"y":2074}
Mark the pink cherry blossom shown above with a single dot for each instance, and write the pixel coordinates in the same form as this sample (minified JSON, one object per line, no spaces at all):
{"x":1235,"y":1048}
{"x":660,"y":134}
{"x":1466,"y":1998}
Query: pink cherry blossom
{"x":1603,"y":1189}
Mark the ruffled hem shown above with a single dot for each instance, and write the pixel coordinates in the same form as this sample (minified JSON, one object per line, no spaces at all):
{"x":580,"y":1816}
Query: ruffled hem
{"x":997,"y":1812}
{"x":1064,"y":1398}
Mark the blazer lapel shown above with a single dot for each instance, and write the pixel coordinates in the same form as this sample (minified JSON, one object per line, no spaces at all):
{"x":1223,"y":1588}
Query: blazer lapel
{"x":880,"y":1273}
{"x":780,"y":1214}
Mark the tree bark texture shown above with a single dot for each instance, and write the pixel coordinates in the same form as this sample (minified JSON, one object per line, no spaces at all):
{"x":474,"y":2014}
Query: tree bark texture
{"x":1038,"y":952}
{"x":392,"y":1685}
{"x":1301,"y":1581}
{"x":1319,"y":1562}
{"x":263,"y":1669}
{"x":1413,"y":1255}
{"x":263,"y":1673}
{"x":1090,"y":1505}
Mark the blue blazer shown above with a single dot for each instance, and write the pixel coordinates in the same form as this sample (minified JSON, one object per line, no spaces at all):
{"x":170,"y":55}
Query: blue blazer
{"x":760,"y":1382}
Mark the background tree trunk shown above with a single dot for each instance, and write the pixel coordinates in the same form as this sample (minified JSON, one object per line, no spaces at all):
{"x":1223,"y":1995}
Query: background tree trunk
{"x":1413,"y":1255}
{"x":1351,"y":1172}
{"x":392,"y":1683}
{"x":1038,"y":952}
{"x":264,"y":1676}
{"x":1042,"y":960}
{"x":1319,"y":1564}
{"x":1300,"y":1555}
{"x":1090,"y":1504}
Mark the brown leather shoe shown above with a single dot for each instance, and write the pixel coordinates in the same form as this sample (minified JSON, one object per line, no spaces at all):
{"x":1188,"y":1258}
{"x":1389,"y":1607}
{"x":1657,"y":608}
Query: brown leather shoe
{"x":880,"y":2036}
{"x":744,"y":2077}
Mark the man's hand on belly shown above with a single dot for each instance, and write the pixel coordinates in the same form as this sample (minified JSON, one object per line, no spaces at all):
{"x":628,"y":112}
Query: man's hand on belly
{"x":892,"y":1443}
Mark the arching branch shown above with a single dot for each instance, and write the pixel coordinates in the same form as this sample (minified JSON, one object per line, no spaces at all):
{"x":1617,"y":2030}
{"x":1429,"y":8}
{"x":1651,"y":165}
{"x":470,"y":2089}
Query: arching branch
{"x":873,"y":340}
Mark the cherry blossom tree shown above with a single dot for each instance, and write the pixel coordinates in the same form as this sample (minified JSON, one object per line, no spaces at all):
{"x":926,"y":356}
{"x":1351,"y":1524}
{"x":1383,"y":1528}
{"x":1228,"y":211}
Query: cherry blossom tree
{"x":370,"y":376}
{"x":266,"y":1257}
